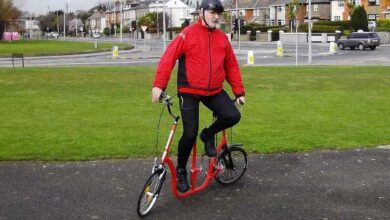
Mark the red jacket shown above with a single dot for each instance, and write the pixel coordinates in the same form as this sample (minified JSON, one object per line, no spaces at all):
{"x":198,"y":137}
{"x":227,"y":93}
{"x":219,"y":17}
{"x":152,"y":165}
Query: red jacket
{"x":206,"y":59}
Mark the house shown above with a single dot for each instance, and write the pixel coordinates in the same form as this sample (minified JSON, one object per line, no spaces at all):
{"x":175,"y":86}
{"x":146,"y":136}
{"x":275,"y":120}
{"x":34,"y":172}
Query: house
{"x":320,"y":10}
{"x":376,"y":9}
{"x":249,"y":10}
{"x":97,"y":22}
{"x":337,"y":10}
{"x":176,"y":10}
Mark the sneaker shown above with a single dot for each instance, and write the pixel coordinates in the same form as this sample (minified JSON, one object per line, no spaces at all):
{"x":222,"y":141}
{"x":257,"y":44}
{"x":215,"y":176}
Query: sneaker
{"x":209,"y":143}
{"x":181,"y":180}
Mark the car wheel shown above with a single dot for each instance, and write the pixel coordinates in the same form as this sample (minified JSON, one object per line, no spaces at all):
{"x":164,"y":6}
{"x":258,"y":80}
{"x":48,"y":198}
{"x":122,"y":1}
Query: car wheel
{"x":373,"y":47}
{"x":341,"y":46}
{"x":361,"y":47}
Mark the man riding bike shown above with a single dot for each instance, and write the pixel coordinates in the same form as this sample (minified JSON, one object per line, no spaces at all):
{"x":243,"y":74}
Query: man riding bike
{"x":206,"y":60}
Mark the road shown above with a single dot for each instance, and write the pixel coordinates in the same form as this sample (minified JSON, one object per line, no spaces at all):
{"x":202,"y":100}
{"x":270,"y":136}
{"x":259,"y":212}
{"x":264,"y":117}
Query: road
{"x":264,"y":55}
{"x":321,"y":185}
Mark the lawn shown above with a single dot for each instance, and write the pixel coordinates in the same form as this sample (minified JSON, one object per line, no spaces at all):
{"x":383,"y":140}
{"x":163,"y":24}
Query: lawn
{"x":95,"y":113}
{"x":53,"y":47}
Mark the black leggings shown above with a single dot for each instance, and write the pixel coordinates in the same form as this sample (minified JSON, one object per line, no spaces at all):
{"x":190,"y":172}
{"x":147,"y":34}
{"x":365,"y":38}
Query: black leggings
{"x":222,"y":107}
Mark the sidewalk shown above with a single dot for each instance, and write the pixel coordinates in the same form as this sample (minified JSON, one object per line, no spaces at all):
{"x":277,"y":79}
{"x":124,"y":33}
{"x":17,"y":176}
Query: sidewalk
{"x":322,"y":185}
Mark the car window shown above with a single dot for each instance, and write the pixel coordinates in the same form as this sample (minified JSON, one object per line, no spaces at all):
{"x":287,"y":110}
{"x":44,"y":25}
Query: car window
{"x":373,"y":35}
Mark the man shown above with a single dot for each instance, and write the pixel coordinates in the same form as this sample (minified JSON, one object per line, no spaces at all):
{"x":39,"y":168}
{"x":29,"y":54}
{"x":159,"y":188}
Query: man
{"x":206,"y":59}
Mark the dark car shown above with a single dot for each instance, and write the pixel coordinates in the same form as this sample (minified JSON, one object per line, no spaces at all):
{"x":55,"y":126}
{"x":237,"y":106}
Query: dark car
{"x":361,"y":40}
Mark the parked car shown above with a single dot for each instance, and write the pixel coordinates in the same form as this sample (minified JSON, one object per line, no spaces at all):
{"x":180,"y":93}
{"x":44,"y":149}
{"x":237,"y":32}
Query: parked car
{"x":96,"y":35}
{"x":371,"y":25}
{"x":52,"y":35}
{"x":361,"y":40}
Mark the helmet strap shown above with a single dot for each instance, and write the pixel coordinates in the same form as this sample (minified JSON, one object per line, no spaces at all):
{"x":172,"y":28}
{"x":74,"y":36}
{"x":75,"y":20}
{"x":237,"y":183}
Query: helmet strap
{"x":204,"y":20}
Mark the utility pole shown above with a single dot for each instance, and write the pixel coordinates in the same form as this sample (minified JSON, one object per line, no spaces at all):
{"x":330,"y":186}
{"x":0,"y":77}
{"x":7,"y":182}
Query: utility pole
{"x":65,"y":11}
{"x":121,"y":20}
{"x":309,"y":32}
{"x":238,"y":24}
{"x":164,"y":26}
{"x":76,"y":23}
{"x":58,"y":24}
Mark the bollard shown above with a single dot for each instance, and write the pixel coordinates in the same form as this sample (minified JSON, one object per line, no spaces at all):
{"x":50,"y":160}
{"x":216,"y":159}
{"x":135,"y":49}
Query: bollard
{"x":251,"y":59}
{"x":96,"y":44}
{"x":279,"y":50}
{"x":269,"y":35}
{"x":115,"y":52}
{"x":332,"y":47}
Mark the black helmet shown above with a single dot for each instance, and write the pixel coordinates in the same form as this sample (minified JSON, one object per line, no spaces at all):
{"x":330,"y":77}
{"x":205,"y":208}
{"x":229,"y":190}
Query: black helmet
{"x":214,"y":5}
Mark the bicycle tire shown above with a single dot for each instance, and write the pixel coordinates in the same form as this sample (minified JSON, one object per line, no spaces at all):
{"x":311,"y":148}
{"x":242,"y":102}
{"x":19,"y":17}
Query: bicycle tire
{"x":150,"y":192}
{"x":230,"y":173}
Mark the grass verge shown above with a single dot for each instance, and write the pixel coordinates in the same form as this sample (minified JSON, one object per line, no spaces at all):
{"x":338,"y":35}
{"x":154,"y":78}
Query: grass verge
{"x":94,"y":113}
{"x":53,"y":47}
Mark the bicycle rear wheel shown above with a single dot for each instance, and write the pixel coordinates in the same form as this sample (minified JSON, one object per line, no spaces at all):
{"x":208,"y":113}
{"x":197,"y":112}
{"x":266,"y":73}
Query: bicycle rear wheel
{"x":150,"y":192}
{"x":232,"y":163}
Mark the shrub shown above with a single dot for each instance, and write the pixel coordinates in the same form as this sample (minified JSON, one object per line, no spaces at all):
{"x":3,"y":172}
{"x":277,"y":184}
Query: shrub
{"x":359,"y":19}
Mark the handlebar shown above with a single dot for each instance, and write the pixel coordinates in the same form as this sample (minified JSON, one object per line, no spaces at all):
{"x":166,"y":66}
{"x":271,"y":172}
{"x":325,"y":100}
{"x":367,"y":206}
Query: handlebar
{"x":167,"y":100}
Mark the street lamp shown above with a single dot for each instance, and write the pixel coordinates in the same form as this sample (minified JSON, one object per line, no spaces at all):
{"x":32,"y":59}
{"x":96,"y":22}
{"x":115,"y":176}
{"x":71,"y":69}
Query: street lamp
{"x":238,"y":24}
{"x":309,"y":32}
{"x":164,"y":26}
{"x":121,"y":19}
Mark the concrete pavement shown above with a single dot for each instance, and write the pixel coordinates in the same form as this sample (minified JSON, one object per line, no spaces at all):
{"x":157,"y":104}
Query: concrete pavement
{"x":324,"y":185}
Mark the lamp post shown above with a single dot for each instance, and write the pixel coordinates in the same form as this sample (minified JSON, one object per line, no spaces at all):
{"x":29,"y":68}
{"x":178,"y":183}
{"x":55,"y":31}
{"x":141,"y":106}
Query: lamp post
{"x":238,"y":25}
{"x":164,"y":26}
{"x":309,"y":57}
{"x":65,"y":11}
{"x":121,"y":21}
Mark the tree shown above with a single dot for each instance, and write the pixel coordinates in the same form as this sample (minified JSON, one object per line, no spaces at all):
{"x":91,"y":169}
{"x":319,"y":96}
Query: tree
{"x":148,"y":20}
{"x":292,"y":11}
{"x":8,"y":15}
{"x":351,"y":7}
{"x":359,"y":19}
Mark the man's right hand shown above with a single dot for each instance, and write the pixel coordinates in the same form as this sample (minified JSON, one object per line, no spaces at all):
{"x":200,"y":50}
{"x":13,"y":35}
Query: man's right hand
{"x":156,"y":93}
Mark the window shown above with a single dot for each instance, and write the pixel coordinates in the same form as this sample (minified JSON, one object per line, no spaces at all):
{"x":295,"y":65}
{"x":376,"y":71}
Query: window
{"x":279,"y":9}
{"x":336,"y":18}
{"x":373,"y":17}
{"x":341,"y":4}
{"x":315,"y":7}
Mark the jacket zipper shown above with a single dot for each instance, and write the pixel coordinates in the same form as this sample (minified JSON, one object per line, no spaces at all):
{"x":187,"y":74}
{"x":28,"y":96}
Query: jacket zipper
{"x":208,"y":88}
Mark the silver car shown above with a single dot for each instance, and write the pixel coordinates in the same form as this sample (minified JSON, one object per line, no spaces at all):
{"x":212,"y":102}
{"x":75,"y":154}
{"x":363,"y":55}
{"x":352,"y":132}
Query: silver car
{"x":361,"y":40}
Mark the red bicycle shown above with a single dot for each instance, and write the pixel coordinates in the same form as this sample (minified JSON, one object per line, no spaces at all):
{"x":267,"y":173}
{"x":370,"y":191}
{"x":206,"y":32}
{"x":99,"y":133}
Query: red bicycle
{"x":227,"y":167}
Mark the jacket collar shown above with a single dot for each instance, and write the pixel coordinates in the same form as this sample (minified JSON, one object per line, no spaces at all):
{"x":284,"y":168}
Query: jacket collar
{"x":202,"y":27}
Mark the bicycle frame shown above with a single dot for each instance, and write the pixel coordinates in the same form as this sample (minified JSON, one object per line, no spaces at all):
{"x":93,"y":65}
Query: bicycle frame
{"x":212,"y":170}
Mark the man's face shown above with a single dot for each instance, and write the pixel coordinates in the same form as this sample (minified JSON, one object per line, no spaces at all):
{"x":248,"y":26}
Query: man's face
{"x":211,"y":17}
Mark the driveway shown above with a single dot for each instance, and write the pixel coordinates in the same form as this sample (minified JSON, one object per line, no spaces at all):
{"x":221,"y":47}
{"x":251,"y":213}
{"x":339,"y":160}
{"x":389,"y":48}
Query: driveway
{"x":352,"y":184}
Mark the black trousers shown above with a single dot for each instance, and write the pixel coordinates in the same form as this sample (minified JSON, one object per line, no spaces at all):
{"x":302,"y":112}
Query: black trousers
{"x":222,"y":107}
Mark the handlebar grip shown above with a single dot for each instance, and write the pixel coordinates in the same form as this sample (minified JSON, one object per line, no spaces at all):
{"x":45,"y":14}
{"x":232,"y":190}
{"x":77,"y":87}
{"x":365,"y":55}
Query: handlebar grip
{"x":165,"y":98}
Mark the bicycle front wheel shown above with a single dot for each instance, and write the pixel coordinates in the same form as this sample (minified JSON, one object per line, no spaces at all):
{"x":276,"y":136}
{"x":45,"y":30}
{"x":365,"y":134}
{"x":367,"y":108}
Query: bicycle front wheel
{"x":232,"y":163}
{"x":150,"y":192}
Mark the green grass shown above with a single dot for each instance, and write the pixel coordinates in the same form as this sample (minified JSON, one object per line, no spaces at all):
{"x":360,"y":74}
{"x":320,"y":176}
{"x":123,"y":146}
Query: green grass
{"x":94,"y":113}
{"x":45,"y":47}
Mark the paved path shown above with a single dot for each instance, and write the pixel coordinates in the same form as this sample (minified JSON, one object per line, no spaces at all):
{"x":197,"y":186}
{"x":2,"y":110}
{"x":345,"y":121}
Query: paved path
{"x":321,"y":185}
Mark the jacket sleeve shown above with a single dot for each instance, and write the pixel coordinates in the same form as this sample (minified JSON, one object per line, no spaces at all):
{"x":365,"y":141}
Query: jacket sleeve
{"x":233,"y":74}
{"x":168,"y":61}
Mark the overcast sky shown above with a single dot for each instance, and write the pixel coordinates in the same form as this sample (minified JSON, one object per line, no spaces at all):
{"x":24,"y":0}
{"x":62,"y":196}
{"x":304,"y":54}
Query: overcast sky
{"x":43,"y":6}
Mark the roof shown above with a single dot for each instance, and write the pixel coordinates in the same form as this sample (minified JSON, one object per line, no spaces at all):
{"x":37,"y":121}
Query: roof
{"x":97,"y":15}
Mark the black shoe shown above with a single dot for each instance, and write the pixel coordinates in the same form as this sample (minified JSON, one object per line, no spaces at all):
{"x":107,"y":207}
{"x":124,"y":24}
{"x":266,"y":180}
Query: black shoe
{"x":209,"y":143}
{"x":181,"y":180}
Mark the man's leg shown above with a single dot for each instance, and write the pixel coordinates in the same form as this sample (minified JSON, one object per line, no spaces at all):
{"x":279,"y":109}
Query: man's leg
{"x":189,"y":108}
{"x":227,"y":116}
